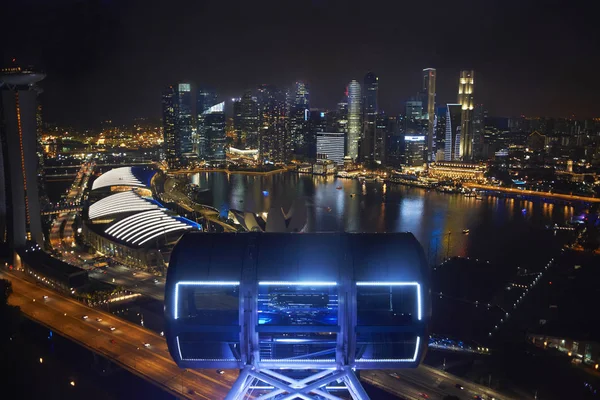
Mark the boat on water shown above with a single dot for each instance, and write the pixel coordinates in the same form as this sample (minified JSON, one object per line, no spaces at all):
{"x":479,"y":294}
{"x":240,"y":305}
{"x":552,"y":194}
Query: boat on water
{"x":339,"y":188}
{"x":465,"y":231}
{"x":479,"y":197}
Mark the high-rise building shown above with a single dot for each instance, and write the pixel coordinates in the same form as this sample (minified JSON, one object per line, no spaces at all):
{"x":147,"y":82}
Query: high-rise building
{"x":381,"y":134}
{"x":330,"y":146}
{"x":353,"y":136}
{"x":414,"y":150}
{"x":214,"y":132}
{"x":237,"y":122}
{"x":429,"y":75}
{"x":177,"y":123}
{"x":466,"y":85}
{"x":205,"y":99}
{"x":274,"y":143}
{"x":248,"y":123}
{"x":299,"y":115}
{"x":478,"y":131}
{"x":453,"y":132}
{"x":20,"y":219}
{"x":340,"y":120}
{"x":370,"y":92}
{"x":414,"y":123}
{"x":440,"y":132}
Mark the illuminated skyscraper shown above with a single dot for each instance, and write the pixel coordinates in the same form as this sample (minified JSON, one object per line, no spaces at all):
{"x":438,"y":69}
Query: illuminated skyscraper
{"x":20,"y":219}
{"x":206,"y":99}
{"x":353,"y":120}
{"x":466,"y":85}
{"x":370,"y":87}
{"x":273,"y":125}
{"x":177,"y":123}
{"x":214,"y":132}
{"x":453,"y":132}
{"x":429,"y":107}
{"x":478,"y":131}
{"x":249,"y":121}
{"x":299,"y":115}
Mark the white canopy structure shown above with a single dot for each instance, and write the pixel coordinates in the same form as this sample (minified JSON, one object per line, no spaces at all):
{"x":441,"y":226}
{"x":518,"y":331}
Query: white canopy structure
{"x":140,"y":228}
{"x":124,"y":202}
{"x":117,"y":177}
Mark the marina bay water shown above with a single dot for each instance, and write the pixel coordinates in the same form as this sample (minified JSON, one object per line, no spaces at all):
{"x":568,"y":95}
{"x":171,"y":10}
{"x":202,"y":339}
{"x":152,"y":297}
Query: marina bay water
{"x":510,"y":230}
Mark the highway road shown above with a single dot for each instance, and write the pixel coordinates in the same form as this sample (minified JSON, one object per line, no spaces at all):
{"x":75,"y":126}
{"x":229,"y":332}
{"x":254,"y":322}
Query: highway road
{"x":134,"y":280}
{"x":427,"y":382}
{"x":124,"y":345}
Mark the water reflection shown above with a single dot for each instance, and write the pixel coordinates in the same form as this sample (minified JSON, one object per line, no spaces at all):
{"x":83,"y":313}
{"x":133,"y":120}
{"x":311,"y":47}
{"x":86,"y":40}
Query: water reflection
{"x":437,"y":219}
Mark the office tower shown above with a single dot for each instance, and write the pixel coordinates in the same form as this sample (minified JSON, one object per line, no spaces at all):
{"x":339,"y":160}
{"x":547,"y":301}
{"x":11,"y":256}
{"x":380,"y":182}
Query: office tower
{"x":440,"y":133}
{"x":340,"y":118}
{"x":466,"y":85}
{"x":453,"y":132}
{"x":353,"y":136}
{"x":370,"y":91}
{"x":214,"y":132}
{"x":206,"y":99}
{"x":20,"y":219}
{"x":237,"y":123}
{"x":177,"y":123}
{"x":380,"y":139}
{"x":330,"y":146}
{"x":249,"y":121}
{"x":299,"y":115}
{"x":413,"y":119}
{"x":429,"y":107}
{"x":414,"y":150}
{"x":478,"y":131}
{"x":274,"y":144}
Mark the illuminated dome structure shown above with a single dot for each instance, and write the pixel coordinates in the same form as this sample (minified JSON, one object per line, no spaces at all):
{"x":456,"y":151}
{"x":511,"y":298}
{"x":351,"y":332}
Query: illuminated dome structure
{"x":322,"y":303}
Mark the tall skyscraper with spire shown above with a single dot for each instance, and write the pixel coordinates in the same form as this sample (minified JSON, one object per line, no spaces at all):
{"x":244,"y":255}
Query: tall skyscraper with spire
{"x":20,"y":219}
{"x":429,"y":107}
{"x":354,"y":112}
{"x":466,"y":86}
{"x":370,"y":87}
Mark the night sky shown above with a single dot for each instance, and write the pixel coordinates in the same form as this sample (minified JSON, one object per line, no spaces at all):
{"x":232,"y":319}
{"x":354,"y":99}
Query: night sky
{"x":110,"y":59}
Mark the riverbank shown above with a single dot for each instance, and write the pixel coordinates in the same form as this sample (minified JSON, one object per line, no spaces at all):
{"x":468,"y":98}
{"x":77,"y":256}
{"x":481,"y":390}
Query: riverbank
{"x":547,"y":195}
{"x":229,"y":172}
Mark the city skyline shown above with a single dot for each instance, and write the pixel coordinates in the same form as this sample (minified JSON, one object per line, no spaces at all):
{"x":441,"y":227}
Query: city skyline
{"x":522,"y":61}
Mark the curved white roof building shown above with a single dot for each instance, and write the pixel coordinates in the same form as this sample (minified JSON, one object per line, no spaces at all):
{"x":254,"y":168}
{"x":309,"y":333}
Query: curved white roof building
{"x":142,"y":227}
{"x":124,"y":202}
{"x":123,"y":176}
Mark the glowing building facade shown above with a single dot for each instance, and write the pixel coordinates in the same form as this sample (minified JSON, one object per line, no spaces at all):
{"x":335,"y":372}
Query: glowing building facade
{"x":453,"y":132}
{"x":354,"y":124}
{"x":429,"y":75}
{"x":466,"y":86}
{"x":177,"y":123}
{"x":370,"y":87}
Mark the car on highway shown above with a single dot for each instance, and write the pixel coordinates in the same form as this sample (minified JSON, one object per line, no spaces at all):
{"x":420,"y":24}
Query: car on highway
{"x":112,"y":328}
{"x":146,"y":344}
{"x":424,"y":395}
{"x":395,"y":375}
{"x":85,"y":317}
{"x":99,"y":319}
{"x":459,"y":386}
{"x":220,"y":372}
{"x":112,"y":341}
{"x":45,"y":297}
{"x":477,"y":397}
{"x":155,"y":280}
